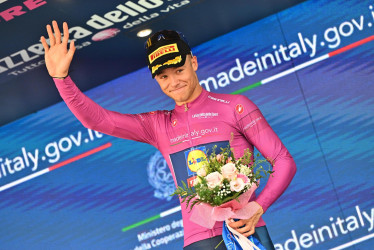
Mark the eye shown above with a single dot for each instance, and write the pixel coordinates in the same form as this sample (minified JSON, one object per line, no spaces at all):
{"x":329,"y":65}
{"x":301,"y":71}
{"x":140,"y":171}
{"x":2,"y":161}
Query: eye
{"x":179,"y":70}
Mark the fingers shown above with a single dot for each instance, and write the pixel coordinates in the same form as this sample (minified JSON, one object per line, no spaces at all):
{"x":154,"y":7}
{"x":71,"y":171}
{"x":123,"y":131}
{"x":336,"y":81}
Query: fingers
{"x":52,"y":40}
{"x":66,"y":33}
{"x":55,"y":35}
{"x":236,"y":224}
{"x":44,"y":43}
{"x":55,"y":38}
{"x":243,"y":229}
{"x":71,"y":49}
{"x":250,"y":232}
{"x":57,"y":32}
{"x":246,"y":228}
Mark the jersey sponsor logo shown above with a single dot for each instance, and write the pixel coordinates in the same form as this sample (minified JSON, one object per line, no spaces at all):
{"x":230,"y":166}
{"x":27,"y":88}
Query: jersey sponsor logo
{"x":205,"y":115}
{"x":252,"y":123}
{"x":239,"y":109}
{"x":179,"y":161}
{"x":196,"y":158}
{"x":174,"y":123}
{"x":217,"y":99}
{"x":190,"y":181}
{"x":179,"y":137}
{"x":164,"y":50}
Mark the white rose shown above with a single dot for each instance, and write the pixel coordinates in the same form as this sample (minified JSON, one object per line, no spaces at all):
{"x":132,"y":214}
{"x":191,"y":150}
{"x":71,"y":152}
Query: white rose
{"x":214,"y":179}
{"x":201,"y":172}
{"x":237,"y":185}
{"x":196,"y":181}
{"x":229,"y":171}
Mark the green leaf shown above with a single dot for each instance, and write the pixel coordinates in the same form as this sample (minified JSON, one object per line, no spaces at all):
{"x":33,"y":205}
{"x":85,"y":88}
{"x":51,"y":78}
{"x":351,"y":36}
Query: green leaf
{"x":195,"y":202}
{"x":184,"y":185}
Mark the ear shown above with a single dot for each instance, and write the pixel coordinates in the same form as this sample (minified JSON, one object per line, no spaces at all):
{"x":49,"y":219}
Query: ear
{"x":194,"y":63}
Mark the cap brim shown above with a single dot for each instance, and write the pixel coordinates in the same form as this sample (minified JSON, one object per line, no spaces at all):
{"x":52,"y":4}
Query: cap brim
{"x":168,"y":61}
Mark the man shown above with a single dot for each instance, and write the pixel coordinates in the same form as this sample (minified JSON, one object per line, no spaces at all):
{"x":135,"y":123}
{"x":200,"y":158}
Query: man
{"x":199,"y":121}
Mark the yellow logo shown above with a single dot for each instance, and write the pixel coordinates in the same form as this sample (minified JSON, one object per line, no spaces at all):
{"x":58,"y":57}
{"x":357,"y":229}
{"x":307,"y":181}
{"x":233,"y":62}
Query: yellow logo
{"x":164,"y":50}
{"x":196,"y":159}
{"x":176,"y":60}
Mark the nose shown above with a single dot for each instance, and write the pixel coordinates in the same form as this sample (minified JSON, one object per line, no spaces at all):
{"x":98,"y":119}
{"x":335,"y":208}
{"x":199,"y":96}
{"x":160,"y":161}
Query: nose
{"x":174,"y":80}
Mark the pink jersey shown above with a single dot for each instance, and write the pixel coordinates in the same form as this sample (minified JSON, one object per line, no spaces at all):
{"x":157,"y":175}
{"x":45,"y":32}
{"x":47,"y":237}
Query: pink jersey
{"x":185,"y":134}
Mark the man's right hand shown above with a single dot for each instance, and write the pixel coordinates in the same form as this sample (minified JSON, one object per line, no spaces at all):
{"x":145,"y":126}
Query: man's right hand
{"x":57,"y":57}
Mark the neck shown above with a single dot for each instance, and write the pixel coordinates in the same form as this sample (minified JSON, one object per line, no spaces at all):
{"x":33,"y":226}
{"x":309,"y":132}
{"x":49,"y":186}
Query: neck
{"x":193,"y":97}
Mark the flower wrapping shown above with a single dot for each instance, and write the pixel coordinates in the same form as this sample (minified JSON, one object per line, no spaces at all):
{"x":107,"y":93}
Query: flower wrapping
{"x":206,"y":215}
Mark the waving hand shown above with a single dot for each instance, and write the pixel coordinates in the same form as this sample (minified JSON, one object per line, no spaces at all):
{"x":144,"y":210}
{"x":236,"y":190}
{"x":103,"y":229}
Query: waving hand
{"x":57,"y":56}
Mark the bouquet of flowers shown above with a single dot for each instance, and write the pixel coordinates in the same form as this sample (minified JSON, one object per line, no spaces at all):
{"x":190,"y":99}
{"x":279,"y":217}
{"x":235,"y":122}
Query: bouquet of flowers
{"x":222,"y":189}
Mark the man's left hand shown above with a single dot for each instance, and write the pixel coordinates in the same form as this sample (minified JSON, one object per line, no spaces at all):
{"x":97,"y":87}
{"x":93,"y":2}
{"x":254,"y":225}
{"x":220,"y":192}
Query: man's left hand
{"x":247,"y":226}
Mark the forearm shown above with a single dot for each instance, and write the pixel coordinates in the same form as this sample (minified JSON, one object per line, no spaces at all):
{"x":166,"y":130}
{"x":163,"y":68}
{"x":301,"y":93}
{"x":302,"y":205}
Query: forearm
{"x":284,"y":168}
{"x":259,"y":133}
{"x":89,"y":113}
{"x":93,"y":116}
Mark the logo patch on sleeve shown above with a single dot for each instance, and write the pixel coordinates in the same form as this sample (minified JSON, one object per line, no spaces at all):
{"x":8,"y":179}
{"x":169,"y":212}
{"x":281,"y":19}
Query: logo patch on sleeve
{"x":239,"y":109}
{"x":174,"y":123}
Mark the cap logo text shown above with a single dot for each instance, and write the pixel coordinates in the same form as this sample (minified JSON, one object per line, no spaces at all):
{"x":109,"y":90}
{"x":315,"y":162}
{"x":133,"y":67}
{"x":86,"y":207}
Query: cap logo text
{"x":164,"y":50}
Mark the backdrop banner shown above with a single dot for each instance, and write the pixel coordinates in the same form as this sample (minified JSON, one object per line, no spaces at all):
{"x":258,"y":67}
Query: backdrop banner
{"x":309,"y":69}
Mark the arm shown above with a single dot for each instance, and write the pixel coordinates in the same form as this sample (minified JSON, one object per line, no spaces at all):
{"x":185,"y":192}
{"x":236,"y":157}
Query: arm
{"x":258,"y":132}
{"x":93,"y":116}
{"x":284,"y":167}
{"x":58,"y":59}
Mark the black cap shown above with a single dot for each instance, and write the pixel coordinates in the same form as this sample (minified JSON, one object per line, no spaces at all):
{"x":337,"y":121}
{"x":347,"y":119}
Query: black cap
{"x":166,"y":49}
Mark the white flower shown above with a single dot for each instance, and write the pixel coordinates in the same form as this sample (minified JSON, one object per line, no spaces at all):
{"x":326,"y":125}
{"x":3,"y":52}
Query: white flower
{"x":196,"y":181}
{"x":245,"y":170}
{"x":237,"y":185}
{"x":229,"y":171}
{"x":201,"y":172}
{"x":214,"y":179}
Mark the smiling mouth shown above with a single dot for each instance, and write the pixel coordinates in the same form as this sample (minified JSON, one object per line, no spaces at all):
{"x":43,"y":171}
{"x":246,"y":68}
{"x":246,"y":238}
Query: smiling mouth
{"x":178,"y":88}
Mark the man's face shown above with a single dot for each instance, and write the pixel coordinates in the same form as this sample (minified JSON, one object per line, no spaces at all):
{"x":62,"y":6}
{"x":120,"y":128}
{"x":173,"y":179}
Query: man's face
{"x":181,"y":83}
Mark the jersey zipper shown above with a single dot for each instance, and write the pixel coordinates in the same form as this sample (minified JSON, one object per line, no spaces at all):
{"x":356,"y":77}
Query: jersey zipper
{"x":211,"y":232}
{"x":188,"y":122}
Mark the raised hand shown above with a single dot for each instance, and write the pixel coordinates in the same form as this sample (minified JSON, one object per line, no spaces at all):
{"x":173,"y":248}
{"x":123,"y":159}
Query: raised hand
{"x":57,"y":56}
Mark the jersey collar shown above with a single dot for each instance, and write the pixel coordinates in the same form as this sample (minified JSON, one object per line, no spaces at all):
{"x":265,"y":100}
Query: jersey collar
{"x":195,"y":103}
